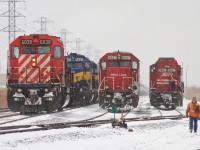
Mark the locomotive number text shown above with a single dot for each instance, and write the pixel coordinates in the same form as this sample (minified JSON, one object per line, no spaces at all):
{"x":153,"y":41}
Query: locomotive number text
{"x":26,"y":42}
{"x":112,"y":57}
{"x":126,"y":57}
{"x":45,"y":42}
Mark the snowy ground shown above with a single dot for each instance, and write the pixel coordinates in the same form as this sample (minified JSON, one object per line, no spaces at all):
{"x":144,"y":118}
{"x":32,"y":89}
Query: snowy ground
{"x":148,"y":135}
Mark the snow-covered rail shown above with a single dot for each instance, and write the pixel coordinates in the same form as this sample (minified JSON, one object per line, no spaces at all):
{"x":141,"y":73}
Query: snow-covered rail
{"x":89,"y":123}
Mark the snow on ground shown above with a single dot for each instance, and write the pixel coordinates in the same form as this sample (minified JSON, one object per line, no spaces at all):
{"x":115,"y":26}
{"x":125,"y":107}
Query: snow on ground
{"x":147,"y":135}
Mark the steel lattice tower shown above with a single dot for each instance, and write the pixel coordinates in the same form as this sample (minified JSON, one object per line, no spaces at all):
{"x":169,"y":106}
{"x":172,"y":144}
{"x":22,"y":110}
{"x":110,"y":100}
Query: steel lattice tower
{"x":64,"y":38}
{"x":43,"y":23}
{"x":11,"y":14}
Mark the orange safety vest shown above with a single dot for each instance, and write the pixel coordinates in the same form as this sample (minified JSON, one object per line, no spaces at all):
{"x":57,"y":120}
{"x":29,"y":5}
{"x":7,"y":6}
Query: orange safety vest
{"x":192,"y":109}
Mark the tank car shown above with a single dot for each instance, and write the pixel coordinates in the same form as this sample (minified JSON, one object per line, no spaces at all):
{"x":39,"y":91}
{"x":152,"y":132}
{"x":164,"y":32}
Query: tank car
{"x":119,"y":83}
{"x":81,"y":78}
{"x":35,"y":77}
{"x":166,"y":84}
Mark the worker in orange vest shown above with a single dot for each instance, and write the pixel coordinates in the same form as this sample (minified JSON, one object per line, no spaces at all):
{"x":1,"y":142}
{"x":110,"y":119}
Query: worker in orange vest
{"x":193,"y":111}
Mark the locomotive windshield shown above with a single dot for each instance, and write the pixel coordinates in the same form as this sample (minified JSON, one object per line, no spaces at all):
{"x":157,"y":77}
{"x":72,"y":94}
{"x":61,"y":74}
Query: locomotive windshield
{"x":124,"y":63}
{"x":43,"y":50}
{"x":115,"y":63}
{"x":75,"y":65}
{"x":28,"y":50}
{"x":34,"y":50}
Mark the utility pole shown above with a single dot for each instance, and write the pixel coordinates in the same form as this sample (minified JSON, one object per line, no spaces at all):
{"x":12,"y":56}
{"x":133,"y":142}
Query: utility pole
{"x":11,"y":14}
{"x":43,"y":23}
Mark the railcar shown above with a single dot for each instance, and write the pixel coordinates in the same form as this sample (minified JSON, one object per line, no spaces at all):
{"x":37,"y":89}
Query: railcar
{"x":119,"y":84}
{"x":166,"y":84}
{"x":35,"y":76}
{"x":81,"y":78}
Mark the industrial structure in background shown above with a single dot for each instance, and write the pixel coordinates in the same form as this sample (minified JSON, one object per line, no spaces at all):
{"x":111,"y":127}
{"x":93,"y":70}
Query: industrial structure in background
{"x":12,"y":14}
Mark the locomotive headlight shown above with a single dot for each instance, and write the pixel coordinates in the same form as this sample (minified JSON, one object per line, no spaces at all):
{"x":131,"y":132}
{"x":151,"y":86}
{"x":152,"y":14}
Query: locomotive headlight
{"x":19,"y":90}
{"x":68,"y":90}
{"x":46,"y":90}
{"x":81,"y":90}
{"x":129,"y":87}
{"x":33,"y":64}
{"x":33,"y":60}
{"x":106,"y":87}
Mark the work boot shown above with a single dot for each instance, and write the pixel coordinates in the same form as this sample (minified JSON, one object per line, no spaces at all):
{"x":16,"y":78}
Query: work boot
{"x":190,"y":130}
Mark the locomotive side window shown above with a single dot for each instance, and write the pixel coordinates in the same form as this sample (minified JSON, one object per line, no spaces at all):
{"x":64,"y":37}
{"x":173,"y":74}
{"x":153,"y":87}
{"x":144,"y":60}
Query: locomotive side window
{"x":15,"y":52}
{"x":28,"y":50}
{"x":124,"y":63}
{"x":153,"y":69}
{"x":43,"y":50}
{"x":57,"y":52}
{"x":134,"y":65}
{"x":179,"y":70}
{"x":113,"y":63}
{"x":103,"y":65}
{"x":87,"y":65}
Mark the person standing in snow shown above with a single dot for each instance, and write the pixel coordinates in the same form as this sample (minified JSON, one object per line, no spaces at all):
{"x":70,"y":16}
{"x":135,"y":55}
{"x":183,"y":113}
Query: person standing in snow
{"x":193,"y":112}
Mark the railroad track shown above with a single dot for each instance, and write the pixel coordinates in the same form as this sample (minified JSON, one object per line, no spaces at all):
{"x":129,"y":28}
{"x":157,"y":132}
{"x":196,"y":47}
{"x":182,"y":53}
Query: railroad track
{"x":88,"y":123}
{"x":4,"y":110}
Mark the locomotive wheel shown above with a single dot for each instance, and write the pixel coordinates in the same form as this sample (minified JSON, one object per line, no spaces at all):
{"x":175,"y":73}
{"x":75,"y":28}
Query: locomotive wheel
{"x":13,"y":105}
{"x":135,"y":100}
{"x":181,"y":102}
{"x":49,"y":107}
{"x":84,"y":101}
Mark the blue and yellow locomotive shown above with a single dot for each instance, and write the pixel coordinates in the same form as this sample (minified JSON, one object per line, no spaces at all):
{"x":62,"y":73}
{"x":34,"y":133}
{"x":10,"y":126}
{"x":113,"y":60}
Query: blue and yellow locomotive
{"x":82,"y":79}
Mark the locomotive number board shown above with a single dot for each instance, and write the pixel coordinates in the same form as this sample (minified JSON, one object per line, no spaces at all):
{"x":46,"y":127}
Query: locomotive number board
{"x":29,"y":42}
{"x":126,"y":57}
{"x":122,"y":57}
{"x":74,"y":59}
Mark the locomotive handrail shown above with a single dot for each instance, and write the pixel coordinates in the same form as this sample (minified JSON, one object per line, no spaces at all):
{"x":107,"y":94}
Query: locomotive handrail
{"x":103,"y":81}
{"x":128,"y":78}
{"x":113,"y":78}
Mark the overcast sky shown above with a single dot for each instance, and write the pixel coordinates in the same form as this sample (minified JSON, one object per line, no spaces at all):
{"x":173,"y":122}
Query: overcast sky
{"x":148,"y":28}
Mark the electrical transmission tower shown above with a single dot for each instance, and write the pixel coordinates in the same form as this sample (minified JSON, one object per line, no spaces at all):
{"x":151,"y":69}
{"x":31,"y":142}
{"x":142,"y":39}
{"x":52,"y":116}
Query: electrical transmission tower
{"x":43,"y":23}
{"x":66,"y":40}
{"x":11,"y":14}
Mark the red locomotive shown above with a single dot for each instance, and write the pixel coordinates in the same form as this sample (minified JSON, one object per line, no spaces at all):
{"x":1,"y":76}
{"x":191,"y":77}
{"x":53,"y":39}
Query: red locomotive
{"x":119,"y":80}
{"x":35,"y":73}
{"x":166,"y":85}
